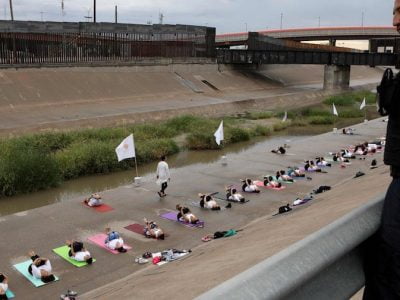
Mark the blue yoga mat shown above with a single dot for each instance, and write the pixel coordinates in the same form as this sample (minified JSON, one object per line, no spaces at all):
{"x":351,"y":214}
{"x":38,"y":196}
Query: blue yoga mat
{"x":23,"y":269}
{"x":10,"y":294}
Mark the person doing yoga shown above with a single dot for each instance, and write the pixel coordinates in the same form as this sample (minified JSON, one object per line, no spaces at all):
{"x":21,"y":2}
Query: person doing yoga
{"x":281,"y":175}
{"x":249,"y":186}
{"x":185,"y":215}
{"x":93,"y":200}
{"x":78,"y":252}
{"x":3,"y":286}
{"x":207,"y":201}
{"x":151,"y":230}
{"x":269,"y":181}
{"x":280,"y":150}
{"x":295,"y":172}
{"x":40,"y":268}
{"x":233,"y":195}
{"x":321,"y":162}
{"x":114,"y":241}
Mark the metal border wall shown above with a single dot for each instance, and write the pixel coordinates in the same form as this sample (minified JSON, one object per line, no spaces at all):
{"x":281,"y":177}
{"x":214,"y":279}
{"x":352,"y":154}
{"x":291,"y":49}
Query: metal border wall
{"x":325,"y":265}
{"x":52,"y":43}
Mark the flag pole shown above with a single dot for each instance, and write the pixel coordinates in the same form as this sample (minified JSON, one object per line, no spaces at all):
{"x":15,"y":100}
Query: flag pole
{"x":137,"y":173}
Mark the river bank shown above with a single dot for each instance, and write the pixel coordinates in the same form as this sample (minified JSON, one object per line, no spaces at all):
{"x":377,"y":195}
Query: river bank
{"x":71,"y":220}
{"x":39,"y":161}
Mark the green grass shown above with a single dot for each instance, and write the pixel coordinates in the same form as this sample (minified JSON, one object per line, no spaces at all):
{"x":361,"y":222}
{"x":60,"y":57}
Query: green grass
{"x":38,"y":161}
{"x":350,"y":99}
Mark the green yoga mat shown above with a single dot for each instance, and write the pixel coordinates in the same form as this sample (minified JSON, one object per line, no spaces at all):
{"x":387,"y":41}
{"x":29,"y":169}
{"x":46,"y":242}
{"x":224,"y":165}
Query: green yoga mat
{"x":23,"y":269}
{"x":283,"y":181}
{"x":10,"y":294}
{"x":63,"y":252}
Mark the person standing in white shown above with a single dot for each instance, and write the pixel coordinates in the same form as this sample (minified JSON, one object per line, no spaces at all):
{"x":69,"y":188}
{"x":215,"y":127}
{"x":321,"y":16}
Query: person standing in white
{"x":163,"y":175}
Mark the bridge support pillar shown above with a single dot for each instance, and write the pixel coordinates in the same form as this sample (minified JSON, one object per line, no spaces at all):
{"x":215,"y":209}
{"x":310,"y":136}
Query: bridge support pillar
{"x":336,"y":77}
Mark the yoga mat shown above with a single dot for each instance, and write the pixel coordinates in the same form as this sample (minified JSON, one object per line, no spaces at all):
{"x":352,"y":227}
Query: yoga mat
{"x":10,"y":294}
{"x":23,"y":269}
{"x":102,"y":208}
{"x":63,"y":252}
{"x":98,"y":239}
{"x":172,"y":217}
{"x":222,"y":196}
{"x":136,"y":228}
{"x":261,"y":184}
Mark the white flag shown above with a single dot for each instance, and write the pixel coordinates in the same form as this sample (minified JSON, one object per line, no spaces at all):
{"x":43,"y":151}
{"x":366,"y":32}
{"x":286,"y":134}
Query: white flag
{"x":362,"y":104}
{"x":219,"y":134}
{"x":126,"y":149}
{"x":334,"y":110}
{"x":284,"y":117}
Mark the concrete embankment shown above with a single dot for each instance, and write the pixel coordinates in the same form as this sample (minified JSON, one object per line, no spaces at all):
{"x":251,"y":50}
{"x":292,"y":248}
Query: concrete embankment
{"x":117,"y":276}
{"x":59,"y":98}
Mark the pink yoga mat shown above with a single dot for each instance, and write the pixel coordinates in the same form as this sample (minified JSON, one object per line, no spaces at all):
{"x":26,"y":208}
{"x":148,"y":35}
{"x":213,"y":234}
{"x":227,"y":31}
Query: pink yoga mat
{"x":98,"y":239}
{"x":261,"y":184}
{"x":137,"y":228}
{"x":102,"y":208}
{"x":172,"y":216}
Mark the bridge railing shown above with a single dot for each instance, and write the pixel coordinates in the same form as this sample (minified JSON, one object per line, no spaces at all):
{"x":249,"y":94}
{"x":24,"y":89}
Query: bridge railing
{"x":325,"y":265}
{"x":229,"y":56}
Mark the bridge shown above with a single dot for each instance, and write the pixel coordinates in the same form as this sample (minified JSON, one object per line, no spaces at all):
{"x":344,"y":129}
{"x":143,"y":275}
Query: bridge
{"x":312,"y":34}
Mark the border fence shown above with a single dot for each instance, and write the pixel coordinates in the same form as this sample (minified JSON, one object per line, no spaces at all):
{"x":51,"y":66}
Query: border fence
{"x":31,"y":43}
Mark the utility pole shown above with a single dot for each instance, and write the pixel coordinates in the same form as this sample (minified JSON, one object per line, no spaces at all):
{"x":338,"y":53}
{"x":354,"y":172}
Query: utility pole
{"x":94,"y":11}
{"x":161,"y":18}
{"x":116,"y":14}
{"x":246,"y":26}
{"x":362,"y":19}
{"x":11,"y":11}
{"x":281,"y":21}
{"x":319,"y":22}
{"x":41,"y":15}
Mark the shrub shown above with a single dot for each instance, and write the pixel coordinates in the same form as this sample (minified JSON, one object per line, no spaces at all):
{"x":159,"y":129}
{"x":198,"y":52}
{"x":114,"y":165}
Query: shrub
{"x":234,"y":135}
{"x":152,"y":150}
{"x":298,"y":123}
{"x":280,"y":126}
{"x":354,"y":113}
{"x":321,"y":120}
{"x":201,"y":140}
{"x":261,"y":131}
{"x":341,"y":100}
{"x":26,"y":169}
{"x":312,"y":111}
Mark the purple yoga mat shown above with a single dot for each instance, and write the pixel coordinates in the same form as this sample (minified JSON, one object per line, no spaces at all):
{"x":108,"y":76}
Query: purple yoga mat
{"x":172,"y":216}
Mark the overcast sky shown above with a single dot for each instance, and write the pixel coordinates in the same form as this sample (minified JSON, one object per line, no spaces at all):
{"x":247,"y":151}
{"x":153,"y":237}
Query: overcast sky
{"x":225,"y":15}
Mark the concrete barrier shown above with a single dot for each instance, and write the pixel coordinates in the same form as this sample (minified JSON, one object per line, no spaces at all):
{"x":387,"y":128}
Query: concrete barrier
{"x":325,"y":265}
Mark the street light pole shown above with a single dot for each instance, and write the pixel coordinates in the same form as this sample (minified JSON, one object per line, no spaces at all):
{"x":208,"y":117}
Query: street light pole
{"x":281,"y":21}
{"x":319,"y":22}
{"x":246,"y":26}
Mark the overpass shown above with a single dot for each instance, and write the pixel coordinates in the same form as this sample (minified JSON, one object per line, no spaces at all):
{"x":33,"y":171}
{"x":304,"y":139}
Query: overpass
{"x":312,"y":34}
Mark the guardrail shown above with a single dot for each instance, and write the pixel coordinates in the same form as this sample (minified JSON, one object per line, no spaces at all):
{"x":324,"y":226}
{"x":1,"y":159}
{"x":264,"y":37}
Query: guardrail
{"x":325,"y":265}
{"x":225,"y":56}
